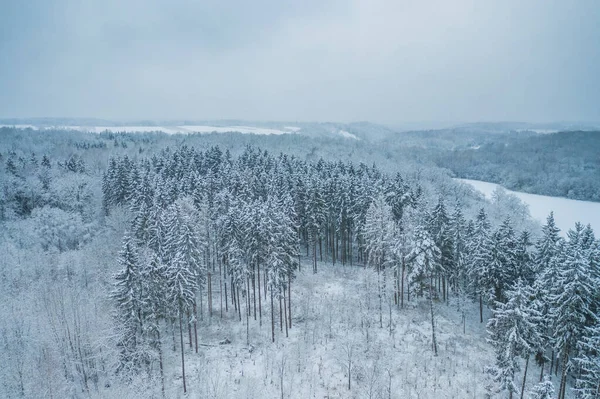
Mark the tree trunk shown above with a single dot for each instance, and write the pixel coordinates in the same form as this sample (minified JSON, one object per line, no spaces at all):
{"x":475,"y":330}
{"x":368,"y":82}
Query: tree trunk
{"x":239,"y":306}
{"x":433,"y":339}
{"x":285,"y":316}
{"x":524,"y":377}
{"x":402,"y":284}
{"x":196,"y":326}
{"x":254,"y":293}
{"x":182,"y":350}
{"x":272,"y":319}
{"x":480,"y":307}
{"x":290,"y":298}
{"x":160,"y":361}
{"x":280,"y":314}
{"x":189,"y":325}
{"x":380,"y":296}
{"x":248,"y":313}
{"x":315,"y":257}
{"x":563,"y":378}
{"x":221,"y":290}
{"x":259,"y":299}
{"x":209,"y":300}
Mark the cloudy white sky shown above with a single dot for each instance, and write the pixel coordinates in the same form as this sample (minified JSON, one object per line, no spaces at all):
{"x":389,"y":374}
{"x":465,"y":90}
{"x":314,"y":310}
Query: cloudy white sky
{"x":387,"y":61}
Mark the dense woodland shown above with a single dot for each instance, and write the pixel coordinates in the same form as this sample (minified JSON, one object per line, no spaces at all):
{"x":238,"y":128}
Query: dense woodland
{"x":121,"y":250}
{"x":562,"y":164}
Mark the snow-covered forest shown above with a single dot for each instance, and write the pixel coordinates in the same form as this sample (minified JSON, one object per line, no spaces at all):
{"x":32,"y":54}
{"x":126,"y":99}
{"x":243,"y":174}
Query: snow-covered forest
{"x":148,"y":265}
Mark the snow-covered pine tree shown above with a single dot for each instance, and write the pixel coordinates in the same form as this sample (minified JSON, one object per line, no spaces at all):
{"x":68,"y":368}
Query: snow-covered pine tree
{"x":573,"y":302}
{"x":439,"y":228}
{"x":480,"y":257}
{"x":424,"y":258}
{"x":588,"y":380}
{"x":513,"y":333}
{"x":543,"y":390}
{"x":545,"y":247}
{"x":183,"y":262}
{"x":127,"y":296}
{"x":378,"y":234}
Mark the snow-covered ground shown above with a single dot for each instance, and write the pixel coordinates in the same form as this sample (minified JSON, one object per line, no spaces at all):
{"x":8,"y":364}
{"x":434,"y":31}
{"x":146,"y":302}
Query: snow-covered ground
{"x":566,"y":211}
{"x":347,"y":135}
{"x":171,"y":129}
{"x":336,"y":316}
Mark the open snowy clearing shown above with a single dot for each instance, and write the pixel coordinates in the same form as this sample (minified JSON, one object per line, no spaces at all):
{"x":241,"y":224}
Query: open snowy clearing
{"x":336,"y":315}
{"x":185,"y":129}
{"x":566,"y":211}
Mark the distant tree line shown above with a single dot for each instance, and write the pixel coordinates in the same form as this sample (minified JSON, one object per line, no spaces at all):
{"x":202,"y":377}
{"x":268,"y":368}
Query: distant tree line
{"x":562,"y":164}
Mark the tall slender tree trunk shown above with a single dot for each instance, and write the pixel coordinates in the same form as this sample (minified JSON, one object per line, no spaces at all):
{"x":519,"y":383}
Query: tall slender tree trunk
{"x":402,"y":283}
{"x":221,"y":289}
{"x":254,"y":293}
{"x":280,"y":313}
{"x":290,"y":298}
{"x":285,"y":316}
{"x":225,"y":287}
{"x":320,"y":249}
{"x":563,"y":378}
{"x":524,"y":376}
{"x":272,"y":319}
{"x":480,"y":307}
{"x":248,"y":312}
{"x":195,"y":326}
{"x":259,"y":299}
{"x":444,"y":288}
{"x":433,"y":339}
{"x":239,"y":306}
{"x":189,"y":325}
{"x":209,"y":295}
{"x":315,"y":257}
{"x":182,"y":350}
{"x":380,"y":296}
{"x":160,"y":362}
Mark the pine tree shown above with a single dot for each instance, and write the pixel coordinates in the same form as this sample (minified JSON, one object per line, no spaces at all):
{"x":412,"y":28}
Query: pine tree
{"x":573,"y":303}
{"x":424,"y":259}
{"x":127,"y":297}
{"x":439,"y":228}
{"x":480,"y":258}
{"x":545,"y":248}
{"x":513,"y":332}
{"x":588,"y":381}
{"x":543,"y":390}
{"x":378,"y":234}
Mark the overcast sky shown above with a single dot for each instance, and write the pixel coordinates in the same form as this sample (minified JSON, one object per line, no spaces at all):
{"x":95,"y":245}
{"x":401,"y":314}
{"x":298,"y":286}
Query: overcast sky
{"x":387,"y":61}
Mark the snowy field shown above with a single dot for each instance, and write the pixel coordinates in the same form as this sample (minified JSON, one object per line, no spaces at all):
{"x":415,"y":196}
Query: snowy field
{"x":186,"y":129}
{"x":566,"y":211}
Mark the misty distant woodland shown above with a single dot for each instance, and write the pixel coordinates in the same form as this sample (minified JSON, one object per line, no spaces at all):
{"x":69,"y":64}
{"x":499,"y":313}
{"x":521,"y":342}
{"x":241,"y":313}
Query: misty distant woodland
{"x":228,"y":265}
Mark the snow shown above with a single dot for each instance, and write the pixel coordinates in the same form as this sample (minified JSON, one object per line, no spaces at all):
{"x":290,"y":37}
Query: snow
{"x":331,"y":311}
{"x":292,"y":128}
{"x":347,"y":135}
{"x":566,"y":211}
